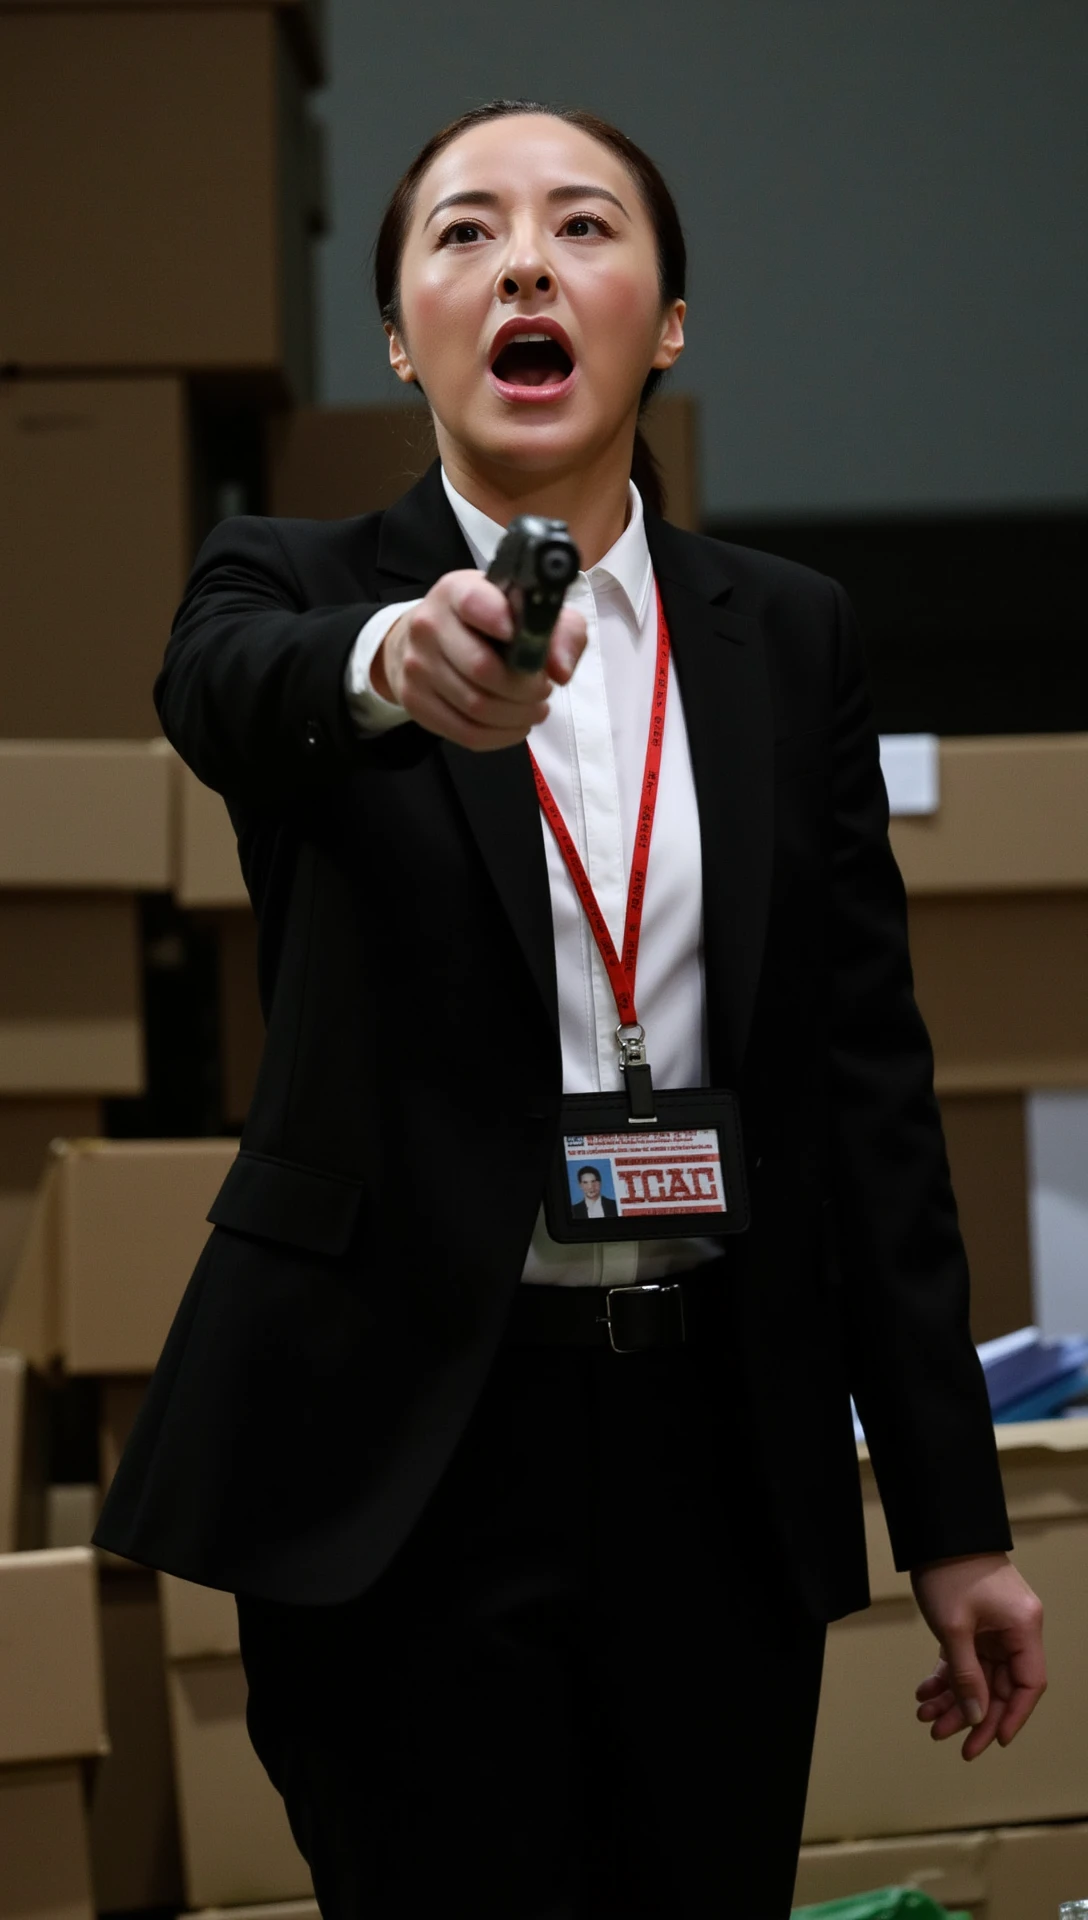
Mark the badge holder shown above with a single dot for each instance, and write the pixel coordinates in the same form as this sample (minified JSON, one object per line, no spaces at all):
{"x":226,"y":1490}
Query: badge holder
{"x":641,"y":1163}
{"x":647,"y":1163}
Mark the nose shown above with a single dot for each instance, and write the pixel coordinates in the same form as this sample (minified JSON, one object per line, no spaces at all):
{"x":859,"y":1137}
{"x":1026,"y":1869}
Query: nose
{"x":525,"y":269}
{"x":513,"y":282}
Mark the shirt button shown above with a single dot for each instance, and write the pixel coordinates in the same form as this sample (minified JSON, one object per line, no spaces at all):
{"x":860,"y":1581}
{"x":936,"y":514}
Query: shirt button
{"x":313,"y":736}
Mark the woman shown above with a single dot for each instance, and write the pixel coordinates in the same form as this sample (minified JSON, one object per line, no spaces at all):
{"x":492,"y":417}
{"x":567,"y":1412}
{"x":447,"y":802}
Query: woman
{"x":536,"y":1527}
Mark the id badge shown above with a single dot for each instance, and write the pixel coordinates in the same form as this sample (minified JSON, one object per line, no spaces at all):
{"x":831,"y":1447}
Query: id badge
{"x":614,"y":1178}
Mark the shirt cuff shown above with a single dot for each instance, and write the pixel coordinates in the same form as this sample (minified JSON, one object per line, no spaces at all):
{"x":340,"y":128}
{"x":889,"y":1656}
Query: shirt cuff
{"x":369,"y":712}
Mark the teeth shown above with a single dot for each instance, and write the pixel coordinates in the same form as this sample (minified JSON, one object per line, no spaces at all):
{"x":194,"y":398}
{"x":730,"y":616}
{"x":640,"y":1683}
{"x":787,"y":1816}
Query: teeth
{"x":524,"y":339}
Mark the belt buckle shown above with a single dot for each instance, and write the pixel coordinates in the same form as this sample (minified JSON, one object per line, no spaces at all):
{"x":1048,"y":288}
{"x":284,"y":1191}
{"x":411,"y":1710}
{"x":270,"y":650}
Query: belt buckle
{"x":669,"y":1290}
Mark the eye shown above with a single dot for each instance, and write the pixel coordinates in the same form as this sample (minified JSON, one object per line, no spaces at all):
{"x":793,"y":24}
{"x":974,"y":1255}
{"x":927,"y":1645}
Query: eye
{"x":581,"y":225}
{"x":463,"y":233}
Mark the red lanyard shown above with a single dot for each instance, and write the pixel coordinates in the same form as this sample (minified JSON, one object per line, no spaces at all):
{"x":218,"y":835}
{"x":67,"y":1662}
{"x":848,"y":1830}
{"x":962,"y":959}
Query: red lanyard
{"x":621,"y":971}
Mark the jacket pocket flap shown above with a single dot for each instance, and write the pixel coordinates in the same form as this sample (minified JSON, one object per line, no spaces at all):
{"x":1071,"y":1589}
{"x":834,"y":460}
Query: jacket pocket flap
{"x":276,"y":1200}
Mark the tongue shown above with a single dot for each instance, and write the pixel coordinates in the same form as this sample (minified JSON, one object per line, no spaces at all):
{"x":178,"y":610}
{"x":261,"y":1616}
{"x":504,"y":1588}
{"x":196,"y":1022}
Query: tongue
{"x":536,"y":363}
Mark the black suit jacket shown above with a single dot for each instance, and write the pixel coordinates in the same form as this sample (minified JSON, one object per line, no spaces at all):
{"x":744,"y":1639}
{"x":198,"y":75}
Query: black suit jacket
{"x":580,"y":1209}
{"x":346,"y":1308}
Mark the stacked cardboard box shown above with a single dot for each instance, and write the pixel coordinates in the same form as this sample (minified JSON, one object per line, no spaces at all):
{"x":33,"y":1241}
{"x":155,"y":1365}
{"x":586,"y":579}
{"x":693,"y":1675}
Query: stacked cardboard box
{"x":52,"y":1729}
{"x":878,"y":1778}
{"x":113,"y":1234}
{"x":236,"y":1842}
{"x":999,"y":1873}
{"x":998,"y":886}
{"x":85,"y":828}
{"x":160,"y":181}
{"x":160,"y":184}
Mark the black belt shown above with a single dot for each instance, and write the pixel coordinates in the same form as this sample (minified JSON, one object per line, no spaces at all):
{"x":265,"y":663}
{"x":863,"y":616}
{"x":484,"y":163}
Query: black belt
{"x":660,"y":1313}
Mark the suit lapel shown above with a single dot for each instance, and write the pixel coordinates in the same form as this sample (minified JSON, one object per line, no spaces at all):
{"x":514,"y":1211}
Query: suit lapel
{"x":421,"y":540}
{"x":721,"y":670}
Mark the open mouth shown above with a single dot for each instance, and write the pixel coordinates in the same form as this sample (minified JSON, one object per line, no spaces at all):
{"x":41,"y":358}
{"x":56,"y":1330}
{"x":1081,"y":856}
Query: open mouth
{"x":532,"y":360}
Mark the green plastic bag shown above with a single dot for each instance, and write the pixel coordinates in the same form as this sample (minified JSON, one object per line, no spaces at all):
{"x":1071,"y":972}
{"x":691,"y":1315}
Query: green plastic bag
{"x":887,"y":1903}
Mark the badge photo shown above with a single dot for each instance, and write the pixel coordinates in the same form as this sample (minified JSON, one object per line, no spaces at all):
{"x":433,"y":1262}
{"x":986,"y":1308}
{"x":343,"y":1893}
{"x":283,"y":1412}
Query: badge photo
{"x":616,"y":1178}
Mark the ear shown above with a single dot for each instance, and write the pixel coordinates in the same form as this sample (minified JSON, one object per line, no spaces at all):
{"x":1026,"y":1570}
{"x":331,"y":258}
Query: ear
{"x":671,"y":344}
{"x":398,"y":356}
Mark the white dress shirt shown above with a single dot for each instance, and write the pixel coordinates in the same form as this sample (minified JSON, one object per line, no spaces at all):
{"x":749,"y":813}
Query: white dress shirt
{"x":591,"y":750}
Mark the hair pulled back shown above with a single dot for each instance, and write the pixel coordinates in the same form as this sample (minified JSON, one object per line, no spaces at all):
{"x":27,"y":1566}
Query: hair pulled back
{"x":658,"y":201}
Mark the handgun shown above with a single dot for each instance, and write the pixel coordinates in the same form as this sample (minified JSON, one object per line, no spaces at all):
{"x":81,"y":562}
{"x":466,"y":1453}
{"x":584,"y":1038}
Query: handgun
{"x":534,"y":565}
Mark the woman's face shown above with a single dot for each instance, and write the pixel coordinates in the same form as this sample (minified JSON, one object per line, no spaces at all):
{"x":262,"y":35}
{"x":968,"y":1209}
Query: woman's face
{"x":531,"y":308}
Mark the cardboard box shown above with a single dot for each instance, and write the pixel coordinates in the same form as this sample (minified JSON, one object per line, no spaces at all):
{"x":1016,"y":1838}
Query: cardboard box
{"x":24,"y":1455}
{"x":71,"y":1513}
{"x":277,"y":1910}
{"x":198,"y":1623}
{"x":236,"y":1842}
{"x":86,"y":814}
{"x":206,"y":869}
{"x":135,"y":1849}
{"x":987,"y":1153}
{"x":249,"y":1856}
{"x":26,"y":1129}
{"x":160,"y":208}
{"x":876,"y":1772}
{"x":1003,"y":1873}
{"x":97,"y":535}
{"x":51,"y":1678}
{"x":71,"y":995}
{"x":671,"y":426}
{"x":1000,"y":979}
{"x":119,"y":1401}
{"x":44,"y":1845}
{"x":1013,"y":816}
{"x":330,"y":463}
{"x":115,"y":1233}
{"x":303,"y":20}
{"x":954,"y":1869}
{"x":12,"y":1406}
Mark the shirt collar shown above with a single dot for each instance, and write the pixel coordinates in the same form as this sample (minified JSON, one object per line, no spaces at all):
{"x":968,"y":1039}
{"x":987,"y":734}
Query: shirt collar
{"x":626,"y":565}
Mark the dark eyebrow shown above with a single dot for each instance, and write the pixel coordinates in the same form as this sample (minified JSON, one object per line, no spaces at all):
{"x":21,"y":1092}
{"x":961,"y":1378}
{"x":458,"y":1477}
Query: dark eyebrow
{"x":587,"y":193}
{"x":481,"y":198}
{"x":470,"y":199}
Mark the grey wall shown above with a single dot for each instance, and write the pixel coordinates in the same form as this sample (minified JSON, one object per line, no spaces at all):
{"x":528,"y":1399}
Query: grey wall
{"x":886,"y":203}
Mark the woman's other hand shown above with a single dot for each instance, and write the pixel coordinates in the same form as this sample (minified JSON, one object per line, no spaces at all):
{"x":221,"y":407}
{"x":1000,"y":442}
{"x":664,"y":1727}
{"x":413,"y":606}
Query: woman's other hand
{"x":438,"y":665}
{"x":992,"y":1671}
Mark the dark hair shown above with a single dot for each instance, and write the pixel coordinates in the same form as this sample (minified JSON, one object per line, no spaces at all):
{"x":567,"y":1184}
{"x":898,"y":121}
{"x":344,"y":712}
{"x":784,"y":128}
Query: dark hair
{"x":658,"y":201}
{"x":582,"y":1171}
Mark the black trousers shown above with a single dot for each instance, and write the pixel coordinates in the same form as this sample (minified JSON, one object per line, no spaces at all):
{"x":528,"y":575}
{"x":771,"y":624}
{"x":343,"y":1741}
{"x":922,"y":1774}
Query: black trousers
{"x":584,"y":1688}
